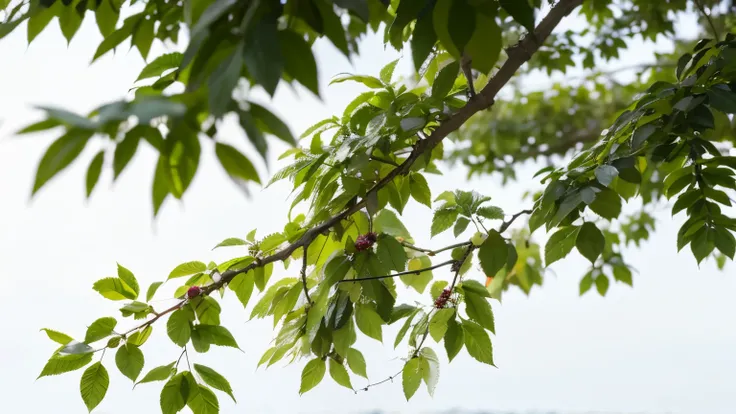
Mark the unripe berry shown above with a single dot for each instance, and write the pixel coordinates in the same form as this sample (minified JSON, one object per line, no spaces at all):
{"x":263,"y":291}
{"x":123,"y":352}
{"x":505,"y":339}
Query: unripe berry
{"x":478,"y":239}
{"x":193,"y":292}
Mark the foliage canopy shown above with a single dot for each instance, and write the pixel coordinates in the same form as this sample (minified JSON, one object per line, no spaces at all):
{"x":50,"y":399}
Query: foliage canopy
{"x":664,"y":136}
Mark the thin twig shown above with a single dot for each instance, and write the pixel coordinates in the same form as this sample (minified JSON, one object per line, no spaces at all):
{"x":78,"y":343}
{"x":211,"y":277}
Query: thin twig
{"x":156,"y":317}
{"x":513,"y":218}
{"x":460,"y":265}
{"x":409,"y":272}
{"x":713,"y":29}
{"x":183,"y":351}
{"x":304,"y":276}
{"x":390,"y":378}
{"x":433,"y":252}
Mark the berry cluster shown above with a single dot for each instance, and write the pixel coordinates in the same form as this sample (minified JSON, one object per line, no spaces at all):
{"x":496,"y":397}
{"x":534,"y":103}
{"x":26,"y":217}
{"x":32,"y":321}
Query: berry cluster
{"x":193,"y":292}
{"x":441,"y":301}
{"x":365,"y":241}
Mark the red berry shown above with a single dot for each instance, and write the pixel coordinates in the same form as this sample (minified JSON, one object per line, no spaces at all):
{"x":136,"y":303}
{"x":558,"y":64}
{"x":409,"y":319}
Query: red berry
{"x":365,"y":241}
{"x":442,"y":299}
{"x":193,"y":292}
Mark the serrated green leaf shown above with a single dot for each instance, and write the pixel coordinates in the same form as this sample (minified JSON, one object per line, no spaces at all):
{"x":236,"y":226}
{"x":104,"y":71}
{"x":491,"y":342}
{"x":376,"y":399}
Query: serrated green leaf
{"x":369,"y":321}
{"x":214,"y":379}
{"x":391,"y":253}
{"x":158,"y":374}
{"x":99,"y":329}
{"x":439,"y":321}
{"x":174,"y":394}
{"x":443,"y":219}
{"x":479,"y":310}
{"x":339,"y":374}
{"x":93,"y":385}
{"x":236,"y":165}
{"x":312,"y":374}
{"x":202,"y":400}
{"x":590,"y":241}
{"x":127,"y":276}
{"x":178,"y":328}
{"x":58,"y":337}
{"x":411,"y":376}
{"x":356,"y":362}
{"x":129,"y":360}
{"x":454,"y":338}
{"x":445,"y":80}
{"x":419,"y":189}
{"x":298,"y":60}
{"x":140,"y":337}
{"x":560,"y":244}
{"x":493,"y":253}
{"x":114,"y":288}
{"x":60,"y":364}
{"x":477,"y":342}
{"x":187,"y":269}
{"x":152,"y":290}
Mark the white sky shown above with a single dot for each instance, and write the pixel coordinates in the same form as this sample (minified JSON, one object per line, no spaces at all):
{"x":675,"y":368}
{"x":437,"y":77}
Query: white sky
{"x":664,"y":347}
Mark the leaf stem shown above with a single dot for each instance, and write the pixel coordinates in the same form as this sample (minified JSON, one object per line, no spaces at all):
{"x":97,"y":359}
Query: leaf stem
{"x":513,"y":218}
{"x":433,"y":252}
{"x":304,"y":275}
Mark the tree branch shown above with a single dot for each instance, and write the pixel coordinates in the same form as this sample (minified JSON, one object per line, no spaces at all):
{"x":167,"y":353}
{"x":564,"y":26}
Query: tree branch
{"x":713,"y":29}
{"x":304,"y":276}
{"x":409,"y":272}
{"x":517,"y":56}
{"x":513,"y":218}
{"x":433,"y":252}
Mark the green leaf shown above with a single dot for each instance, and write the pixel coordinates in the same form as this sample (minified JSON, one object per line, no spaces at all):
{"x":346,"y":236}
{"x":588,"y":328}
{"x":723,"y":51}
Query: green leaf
{"x":411,"y":376}
{"x":159,"y":373}
{"x":69,"y":22}
{"x":461,"y":23}
{"x":203,"y":401}
{"x":423,"y":40}
{"x":99,"y":329}
{"x":387,"y":222}
{"x":477,"y":342}
{"x":443,"y":219}
{"x":340,"y":374}
{"x":217,"y":335}
{"x":336,"y":269}
{"x":174,"y":394}
{"x":237,"y":165}
{"x":160,"y":65}
{"x":454,"y":339}
{"x":140,"y":337}
{"x":126,"y":149}
{"x":445,"y":80}
{"x":460,"y":226}
{"x":521,"y":11}
{"x":59,"y":155}
{"x":58,"y":337}
{"x":211,"y":14}
{"x":586,"y":283}
{"x":607,"y":204}
{"x":152,"y":290}
{"x":418,"y":281}
{"x":207,"y":310}
{"x":243,"y":285}
{"x":420,"y":189}
{"x":493,"y":253}
{"x":590,"y":241}
{"x":93,"y":386}
{"x":299,"y":61}
{"x":491,"y":213}
{"x":368,"y":321}
{"x":114,"y":288}
{"x":387,"y":72}
{"x":721,"y":98}
{"x":75,"y":348}
{"x":484,"y":47}
{"x":231,"y":241}
{"x":356,"y":362}
{"x":214,"y":379}
{"x":437,"y":287}
{"x":263,"y":56}
{"x":439,"y":321}
{"x":560,"y":244}
{"x":38,"y":21}
{"x":271,"y":124}
{"x":93,"y":172}
{"x":432,"y":374}
{"x":623,"y":274}
{"x":601,"y":284}
{"x":222,"y":82}
{"x":404,"y":328}
{"x":475,"y":287}
{"x":724,"y":242}
{"x":187,"y":269}
{"x":143,"y":37}
{"x":127,"y":276}
{"x":129,"y":360}
{"x":479,"y":310}
{"x":312,"y":374}
{"x":60,"y":364}
{"x":605,"y":174}
{"x":178,"y":328}
{"x":391,"y":253}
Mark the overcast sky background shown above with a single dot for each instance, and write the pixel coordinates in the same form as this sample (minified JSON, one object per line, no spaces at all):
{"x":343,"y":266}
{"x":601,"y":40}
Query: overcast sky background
{"x":666,"y":346}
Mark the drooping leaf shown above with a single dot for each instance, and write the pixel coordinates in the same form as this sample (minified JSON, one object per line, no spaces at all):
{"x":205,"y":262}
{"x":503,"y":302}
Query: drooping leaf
{"x":493,"y":253}
{"x":187,"y":269}
{"x":356,"y":362}
{"x":178,"y":328}
{"x":312,"y":374}
{"x":237,"y":165}
{"x":590,"y":241}
{"x":477,"y":342}
{"x":479,"y":310}
{"x":129,"y":360}
{"x":560,"y":244}
{"x":161,"y":373}
{"x":214,"y":379}
{"x":93,"y":385}
{"x":99,"y":329}
{"x":59,"y":155}
{"x":411,"y":376}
